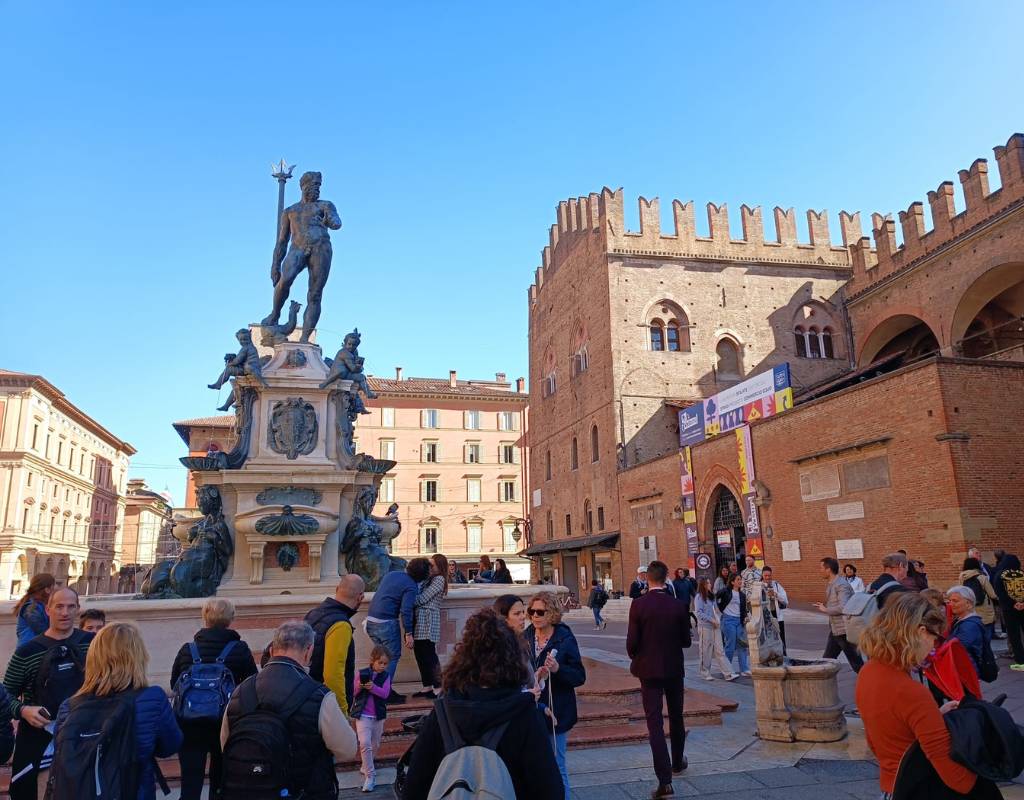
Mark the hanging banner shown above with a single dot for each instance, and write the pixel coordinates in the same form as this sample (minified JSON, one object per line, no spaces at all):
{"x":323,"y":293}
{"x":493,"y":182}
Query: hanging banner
{"x":689,"y":503}
{"x":763,"y":395}
{"x":745,"y":452}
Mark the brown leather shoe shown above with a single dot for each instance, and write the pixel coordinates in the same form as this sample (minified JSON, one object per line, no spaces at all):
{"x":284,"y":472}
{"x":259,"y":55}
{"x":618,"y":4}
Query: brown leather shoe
{"x":665,"y":790}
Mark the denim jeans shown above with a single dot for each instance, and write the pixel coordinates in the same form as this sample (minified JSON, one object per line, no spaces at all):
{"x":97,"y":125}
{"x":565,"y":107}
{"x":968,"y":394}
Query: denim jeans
{"x":597,"y":616}
{"x":732,"y":630}
{"x":389,"y":636}
{"x":561,"y":742}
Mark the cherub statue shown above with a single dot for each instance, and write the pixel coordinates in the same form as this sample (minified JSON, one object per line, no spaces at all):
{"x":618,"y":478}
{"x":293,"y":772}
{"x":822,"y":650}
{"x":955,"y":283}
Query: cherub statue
{"x":245,"y":362}
{"x":348,"y":366}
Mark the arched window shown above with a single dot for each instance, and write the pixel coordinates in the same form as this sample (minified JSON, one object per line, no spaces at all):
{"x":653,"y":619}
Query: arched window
{"x":657,"y":335}
{"x":814,"y":332}
{"x":827,"y":349}
{"x":669,"y":328}
{"x":588,"y":517}
{"x":728,"y":359}
{"x":547,"y":466}
{"x":594,"y":448}
{"x":574,"y":455}
{"x":800,"y":335}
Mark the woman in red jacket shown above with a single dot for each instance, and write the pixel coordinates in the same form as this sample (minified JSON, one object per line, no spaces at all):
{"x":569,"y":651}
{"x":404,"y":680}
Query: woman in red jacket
{"x":896,"y":709}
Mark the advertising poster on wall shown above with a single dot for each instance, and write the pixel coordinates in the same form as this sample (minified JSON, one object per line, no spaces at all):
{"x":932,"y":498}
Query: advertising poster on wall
{"x":744,"y":450}
{"x":689,"y":503}
{"x":763,"y":395}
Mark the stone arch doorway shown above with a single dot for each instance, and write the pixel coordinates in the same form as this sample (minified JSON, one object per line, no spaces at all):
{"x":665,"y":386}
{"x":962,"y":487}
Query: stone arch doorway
{"x":727,"y":529}
{"x":988,"y":319}
{"x":902,"y":333}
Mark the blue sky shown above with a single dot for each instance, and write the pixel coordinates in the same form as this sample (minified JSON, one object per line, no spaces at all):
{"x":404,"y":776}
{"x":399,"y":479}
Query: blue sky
{"x":136,"y":141}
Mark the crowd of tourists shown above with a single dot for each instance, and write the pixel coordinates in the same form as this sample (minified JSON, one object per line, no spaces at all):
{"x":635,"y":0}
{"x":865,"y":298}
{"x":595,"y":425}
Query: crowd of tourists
{"x":87,"y":715}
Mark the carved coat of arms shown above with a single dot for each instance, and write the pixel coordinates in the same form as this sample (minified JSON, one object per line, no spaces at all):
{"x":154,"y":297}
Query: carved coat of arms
{"x":293,"y":428}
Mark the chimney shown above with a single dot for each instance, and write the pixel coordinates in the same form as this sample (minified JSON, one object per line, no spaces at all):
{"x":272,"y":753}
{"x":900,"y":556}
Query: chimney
{"x":451,"y":378}
{"x":499,"y":377}
{"x":520,"y":384}
{"x":398,"y":373}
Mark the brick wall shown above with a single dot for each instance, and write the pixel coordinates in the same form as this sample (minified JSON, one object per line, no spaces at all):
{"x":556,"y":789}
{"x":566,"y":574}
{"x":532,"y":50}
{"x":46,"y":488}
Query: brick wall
{"x":952,"y":457}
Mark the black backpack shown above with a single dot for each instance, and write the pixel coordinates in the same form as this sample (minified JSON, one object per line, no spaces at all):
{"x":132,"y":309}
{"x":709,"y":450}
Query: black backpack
{"x":979,"y":591}
{"x":601,"y":598}
{"x":202,"y":691}
{"x":94,"y":753}
{"x":258,"y":750}
{"x":60,"y":674}
{"x":988,"y":669}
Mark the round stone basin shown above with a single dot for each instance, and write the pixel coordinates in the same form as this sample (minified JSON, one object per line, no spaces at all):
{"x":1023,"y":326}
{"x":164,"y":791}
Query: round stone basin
{"x":799,"y":701}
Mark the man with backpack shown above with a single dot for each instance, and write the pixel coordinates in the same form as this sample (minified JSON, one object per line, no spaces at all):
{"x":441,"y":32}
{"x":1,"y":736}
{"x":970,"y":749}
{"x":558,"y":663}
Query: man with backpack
{"x":283,"y":731}
{"x":890,"y":582}
{"x":598,"y":599}
{"x":42,"y":674}
{"x":334,"y":649}
{"x":205,"y":673}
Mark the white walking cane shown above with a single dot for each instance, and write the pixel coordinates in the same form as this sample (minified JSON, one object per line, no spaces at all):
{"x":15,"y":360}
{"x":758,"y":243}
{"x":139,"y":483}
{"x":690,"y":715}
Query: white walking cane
{"x":551,"y":705}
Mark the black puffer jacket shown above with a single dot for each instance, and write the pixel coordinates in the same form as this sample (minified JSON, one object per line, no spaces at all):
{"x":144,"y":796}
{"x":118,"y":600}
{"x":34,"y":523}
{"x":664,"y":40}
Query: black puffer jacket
{"x":210,"y":642}
{"x":525,"y":748}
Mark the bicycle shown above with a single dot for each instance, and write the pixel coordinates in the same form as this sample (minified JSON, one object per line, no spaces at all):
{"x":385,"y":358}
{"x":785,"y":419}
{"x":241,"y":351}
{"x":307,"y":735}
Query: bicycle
{"x":570,"y":603}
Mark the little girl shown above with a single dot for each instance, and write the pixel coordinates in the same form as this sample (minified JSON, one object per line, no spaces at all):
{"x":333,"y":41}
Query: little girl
{"x":370,"y":691}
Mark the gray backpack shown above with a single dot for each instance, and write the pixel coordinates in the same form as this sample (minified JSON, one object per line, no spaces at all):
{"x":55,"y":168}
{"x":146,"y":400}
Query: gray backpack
{"x":858,"y":613}
{"x":469,"y":770}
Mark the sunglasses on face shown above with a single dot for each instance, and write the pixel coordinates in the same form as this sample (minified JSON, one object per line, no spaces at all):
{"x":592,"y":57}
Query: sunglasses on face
{"x":537,"y":612}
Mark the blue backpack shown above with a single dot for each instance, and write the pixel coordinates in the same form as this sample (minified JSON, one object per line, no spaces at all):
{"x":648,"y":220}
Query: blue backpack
{"x":201,"y":692}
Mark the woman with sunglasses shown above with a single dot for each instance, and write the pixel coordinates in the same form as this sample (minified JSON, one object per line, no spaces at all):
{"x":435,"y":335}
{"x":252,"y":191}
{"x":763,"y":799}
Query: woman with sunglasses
{"x":897,"y":710}
{"x":559,"y":669}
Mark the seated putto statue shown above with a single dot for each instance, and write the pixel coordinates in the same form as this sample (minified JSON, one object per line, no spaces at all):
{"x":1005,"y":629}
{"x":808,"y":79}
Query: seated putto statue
{"x":245,"y":362}
{"x":198,"y":570}
{"x":348,"y":366}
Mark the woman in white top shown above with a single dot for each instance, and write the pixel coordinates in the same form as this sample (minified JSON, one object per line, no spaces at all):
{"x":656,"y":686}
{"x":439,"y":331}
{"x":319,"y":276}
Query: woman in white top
{"x":709,"y":632}
{"x":850,"y":573}
{"x":776,"y":599}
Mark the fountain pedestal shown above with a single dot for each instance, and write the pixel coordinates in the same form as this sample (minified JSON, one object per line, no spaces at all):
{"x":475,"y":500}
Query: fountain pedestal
{"x":796,"y":701}
{"x":288,"y":503}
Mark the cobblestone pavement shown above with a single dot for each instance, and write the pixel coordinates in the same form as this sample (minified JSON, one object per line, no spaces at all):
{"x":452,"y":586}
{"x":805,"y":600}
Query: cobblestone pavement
{"x":729,"y":757}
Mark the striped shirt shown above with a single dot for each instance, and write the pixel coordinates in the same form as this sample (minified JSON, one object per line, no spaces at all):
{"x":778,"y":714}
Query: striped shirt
{"x":20,"y":678}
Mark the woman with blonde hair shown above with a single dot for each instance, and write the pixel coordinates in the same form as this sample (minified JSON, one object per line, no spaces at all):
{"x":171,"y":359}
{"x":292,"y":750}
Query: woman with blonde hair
{"x":897,"y":710}
{"x":31,"y":608}
{"x":215,"y":643}
{"x":114,"y":702}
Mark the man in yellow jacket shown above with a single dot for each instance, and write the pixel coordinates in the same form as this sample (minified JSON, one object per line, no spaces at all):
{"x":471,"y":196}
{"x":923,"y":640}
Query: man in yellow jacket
{"x":334,"y":654}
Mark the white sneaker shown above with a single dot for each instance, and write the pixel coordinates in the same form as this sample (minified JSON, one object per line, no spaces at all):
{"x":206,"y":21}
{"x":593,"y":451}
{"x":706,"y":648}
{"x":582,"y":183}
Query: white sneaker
{"x":747,"y":673}
{"x":708,"y":677}
{"x":732,"y":676}
{"x":604,"y":624}
{"x":369,"y":785}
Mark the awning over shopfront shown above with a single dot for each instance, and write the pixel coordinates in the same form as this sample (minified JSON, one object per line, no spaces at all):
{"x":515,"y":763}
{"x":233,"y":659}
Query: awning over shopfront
{"x":598,"y":540}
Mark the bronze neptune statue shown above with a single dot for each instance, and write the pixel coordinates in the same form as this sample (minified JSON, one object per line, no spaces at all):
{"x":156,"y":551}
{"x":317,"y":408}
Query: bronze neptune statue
{"x":305,"y":224}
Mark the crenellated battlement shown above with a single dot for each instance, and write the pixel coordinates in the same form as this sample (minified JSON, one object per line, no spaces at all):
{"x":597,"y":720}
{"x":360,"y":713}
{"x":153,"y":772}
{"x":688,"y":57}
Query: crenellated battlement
{"x":870,"y":265}
{"x":603,"y":215}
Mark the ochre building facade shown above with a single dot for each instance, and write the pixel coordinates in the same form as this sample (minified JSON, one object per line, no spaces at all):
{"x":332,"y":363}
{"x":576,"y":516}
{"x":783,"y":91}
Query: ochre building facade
{"x":63,"y":487}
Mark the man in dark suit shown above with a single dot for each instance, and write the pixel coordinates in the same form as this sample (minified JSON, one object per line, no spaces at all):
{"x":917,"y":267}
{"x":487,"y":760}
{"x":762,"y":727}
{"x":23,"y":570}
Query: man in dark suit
{"x":659,"y":629}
